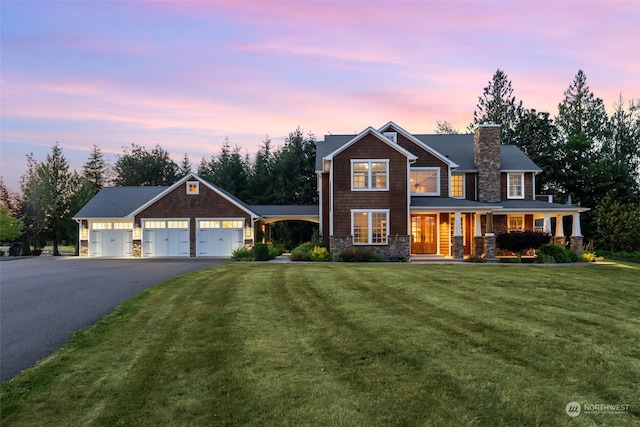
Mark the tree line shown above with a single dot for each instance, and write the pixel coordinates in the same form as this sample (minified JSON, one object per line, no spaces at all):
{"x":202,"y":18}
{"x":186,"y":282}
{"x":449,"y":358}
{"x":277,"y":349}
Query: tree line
{"x":586,"y":156}
{"x":51,"y":192}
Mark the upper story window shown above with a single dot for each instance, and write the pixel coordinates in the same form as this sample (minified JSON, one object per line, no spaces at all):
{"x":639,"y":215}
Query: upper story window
{"x":456,"y":185}
{"x":369,"y":175}
{"x":193,"y":187}
{"x":393,"y":136}
{"x":425,"y":181}
{"x":515,"y":186}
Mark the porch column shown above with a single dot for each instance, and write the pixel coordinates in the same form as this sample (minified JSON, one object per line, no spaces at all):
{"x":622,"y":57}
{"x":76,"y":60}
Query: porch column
{"x":576,"y":234}
{"x":559,"y":239}
{"x":458,"y":243}
{"x":478,"y":241}
{"x":489,"y":239}
{"x":547,"y":223}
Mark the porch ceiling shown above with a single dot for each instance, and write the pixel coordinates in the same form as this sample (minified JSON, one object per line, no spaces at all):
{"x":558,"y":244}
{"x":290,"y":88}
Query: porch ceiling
{"x":275,"y":213}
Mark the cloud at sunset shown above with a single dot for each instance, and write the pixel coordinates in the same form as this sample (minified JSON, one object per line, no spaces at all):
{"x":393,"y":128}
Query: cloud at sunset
{"x":186,"y":75}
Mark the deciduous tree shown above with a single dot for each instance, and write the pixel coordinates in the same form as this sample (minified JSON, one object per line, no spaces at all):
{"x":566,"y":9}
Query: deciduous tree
{"x":139,"y":167}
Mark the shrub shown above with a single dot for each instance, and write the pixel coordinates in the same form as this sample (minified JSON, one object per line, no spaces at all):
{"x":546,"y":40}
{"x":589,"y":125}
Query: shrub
{"x":300,"y":256}
{"x":261,"y":252}
{"x":304,"y":247}
{"x":274,"y":252}
{"x":573,"y":256}
{"x":545,"y":259}
{"x":375,"y":257}
{"x":355,"y":254}
{"x":277,"y":248}
{"x":519,"y":241}
{"x":242,"y":254}
{"x":621,"y":256}
{"x":319,"y":254}
{"x":475,"y":258}
{"x":591,"y":257}
{"x":558,"y":253}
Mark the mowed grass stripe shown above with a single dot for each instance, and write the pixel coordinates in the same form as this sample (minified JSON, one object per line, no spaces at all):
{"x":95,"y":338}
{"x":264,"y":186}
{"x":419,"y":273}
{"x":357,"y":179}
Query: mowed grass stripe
{"x":340,"y":344}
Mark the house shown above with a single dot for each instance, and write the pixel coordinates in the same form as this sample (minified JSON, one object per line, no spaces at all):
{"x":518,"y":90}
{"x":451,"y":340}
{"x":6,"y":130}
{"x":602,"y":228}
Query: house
{"x":191,"y":218}
{"x":383,"y":189}
{"x":401,"y":194}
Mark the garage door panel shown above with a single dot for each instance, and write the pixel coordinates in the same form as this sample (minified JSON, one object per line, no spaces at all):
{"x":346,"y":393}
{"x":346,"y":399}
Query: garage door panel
{"x":219,"y":241}
{"x":165,"y":241}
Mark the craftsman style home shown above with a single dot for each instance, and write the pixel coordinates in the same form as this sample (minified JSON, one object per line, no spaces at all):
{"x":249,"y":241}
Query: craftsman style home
{"x":402,"y":194}
{"x":383,"y":189}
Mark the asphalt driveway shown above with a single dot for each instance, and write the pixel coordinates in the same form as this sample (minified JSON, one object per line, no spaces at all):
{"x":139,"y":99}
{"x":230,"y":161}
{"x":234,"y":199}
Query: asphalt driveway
{"x":44,"y":300}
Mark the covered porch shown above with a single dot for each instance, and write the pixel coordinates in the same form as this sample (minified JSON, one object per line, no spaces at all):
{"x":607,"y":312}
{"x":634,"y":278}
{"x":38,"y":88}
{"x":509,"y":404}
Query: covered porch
{"x":457,"y":228}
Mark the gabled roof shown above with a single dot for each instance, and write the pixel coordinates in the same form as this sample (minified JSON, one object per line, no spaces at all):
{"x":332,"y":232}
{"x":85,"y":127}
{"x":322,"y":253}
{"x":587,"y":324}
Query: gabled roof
{"x":126,"y":202}
{"x":456,"y":150}
{"x":367,"y":131}
{"x":416,"y":141}
{"x":117,"y":202}
{"x":193,"y":176}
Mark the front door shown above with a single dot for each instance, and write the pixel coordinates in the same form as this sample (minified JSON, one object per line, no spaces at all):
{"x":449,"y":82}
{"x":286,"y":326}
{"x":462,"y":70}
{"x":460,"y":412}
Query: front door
{"x":424,"y":236}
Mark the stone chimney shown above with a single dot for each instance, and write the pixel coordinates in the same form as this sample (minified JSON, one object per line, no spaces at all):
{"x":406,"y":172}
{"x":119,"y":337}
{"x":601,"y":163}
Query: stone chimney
{"x":486,"y":151}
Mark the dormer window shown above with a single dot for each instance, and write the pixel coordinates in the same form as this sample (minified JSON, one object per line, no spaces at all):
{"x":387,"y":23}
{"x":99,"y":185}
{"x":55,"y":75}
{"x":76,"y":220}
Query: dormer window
{"x":425,"y":181}
{"x":193,"y":187}
{"x":369,"y":175}
{"x":393,"y":136}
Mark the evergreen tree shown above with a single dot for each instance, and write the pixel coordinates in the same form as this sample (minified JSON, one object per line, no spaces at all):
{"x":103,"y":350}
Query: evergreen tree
{"x":31,"y":204}
{"x":294,"y":170}
{"x":59,"y":184}
{"x":497,"y":105}
{"x":185,"y":166}
{"x":228,"y":171}
{"x":262,"y":178}
{"x":535,"y":134}
{"x":138,"y":167}
{"x":96,"y":169}
{"x":582,"y":124}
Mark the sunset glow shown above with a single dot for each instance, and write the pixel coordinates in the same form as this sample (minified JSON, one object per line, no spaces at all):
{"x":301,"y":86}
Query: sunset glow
{"x":186,"y":75}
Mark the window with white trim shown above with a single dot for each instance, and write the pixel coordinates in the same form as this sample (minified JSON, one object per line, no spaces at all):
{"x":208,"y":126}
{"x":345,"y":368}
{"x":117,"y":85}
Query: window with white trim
{"x":425,"y":181}
{"x":456,"y":186}
{"x":515,"y":222}
{"x":369,"y":227}
{"x":193,"y":187}
{"x":369,"y":175}
{"x":177,"y":224}
{"x":515,"y":186}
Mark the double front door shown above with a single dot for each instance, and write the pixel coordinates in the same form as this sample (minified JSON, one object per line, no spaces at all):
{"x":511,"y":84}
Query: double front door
{"x":424,"y":235}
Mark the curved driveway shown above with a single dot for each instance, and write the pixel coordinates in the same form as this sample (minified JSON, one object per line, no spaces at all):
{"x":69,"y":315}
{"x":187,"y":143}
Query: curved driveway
{"x":44,"y":300}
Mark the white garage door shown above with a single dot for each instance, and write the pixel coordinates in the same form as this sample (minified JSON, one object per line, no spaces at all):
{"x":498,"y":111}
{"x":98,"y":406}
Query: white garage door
{"x":110,"y":239}
{"x":165,"y":238}
{"x":219,"y":237}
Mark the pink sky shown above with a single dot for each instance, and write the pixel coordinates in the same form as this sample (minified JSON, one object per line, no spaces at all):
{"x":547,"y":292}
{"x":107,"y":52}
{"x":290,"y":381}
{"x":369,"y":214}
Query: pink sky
{"x":187,"y":74}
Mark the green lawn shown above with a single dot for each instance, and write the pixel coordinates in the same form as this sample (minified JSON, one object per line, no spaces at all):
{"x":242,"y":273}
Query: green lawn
{"x":353,"y":345}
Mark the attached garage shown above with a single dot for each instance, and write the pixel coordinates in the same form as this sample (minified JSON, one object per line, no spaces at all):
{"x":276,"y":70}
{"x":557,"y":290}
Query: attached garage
{"x":219,"y":237}
{"x":165,"y":238}
{"x":110,"y":239}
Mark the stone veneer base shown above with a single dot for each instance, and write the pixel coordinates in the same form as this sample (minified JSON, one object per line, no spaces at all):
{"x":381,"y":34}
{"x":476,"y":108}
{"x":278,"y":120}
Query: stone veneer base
{"x":399,"y":247}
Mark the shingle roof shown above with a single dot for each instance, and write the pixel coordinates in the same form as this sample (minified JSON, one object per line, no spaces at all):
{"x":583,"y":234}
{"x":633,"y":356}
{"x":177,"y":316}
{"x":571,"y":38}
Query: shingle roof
{"x":117,"y":202}
{"x":458,"y":148}
{"x":520,"y":205}
{"x":285,"y":210}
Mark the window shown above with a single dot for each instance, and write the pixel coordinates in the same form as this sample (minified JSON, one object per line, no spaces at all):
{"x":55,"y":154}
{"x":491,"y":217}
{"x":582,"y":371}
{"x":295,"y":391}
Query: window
{"x":369,"y":174}
{"x":193,"y":187}
{"x":457,"y":185}
{"x":369,"y":227}
{"x":538,"y":225}
{"x":425,"y":181}
{"x":232,"y":224}
{"x":516,"y":222}
{"x":208,"y":224}
{"x":122,"y":226}
{"x":155,"y":224}
{"x":101,"y":226}
{"x":177,"y":224}
{"x":393,"y":136}
{"x":515,"y":186}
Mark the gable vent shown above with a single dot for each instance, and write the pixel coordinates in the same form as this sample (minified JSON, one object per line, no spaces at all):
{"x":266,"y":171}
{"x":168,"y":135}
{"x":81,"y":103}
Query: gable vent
{"x":393,"y":136}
